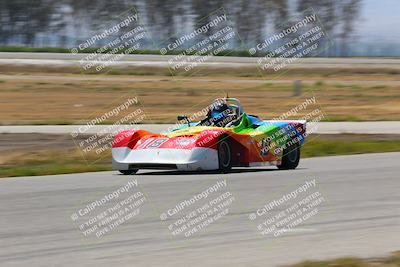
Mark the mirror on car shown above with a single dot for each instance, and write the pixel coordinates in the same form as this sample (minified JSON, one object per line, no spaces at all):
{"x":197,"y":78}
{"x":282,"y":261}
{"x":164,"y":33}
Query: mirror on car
{"x":182,"y":117}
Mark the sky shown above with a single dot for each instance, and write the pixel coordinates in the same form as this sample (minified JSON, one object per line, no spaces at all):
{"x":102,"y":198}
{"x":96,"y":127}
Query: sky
{"x":379,"y":21}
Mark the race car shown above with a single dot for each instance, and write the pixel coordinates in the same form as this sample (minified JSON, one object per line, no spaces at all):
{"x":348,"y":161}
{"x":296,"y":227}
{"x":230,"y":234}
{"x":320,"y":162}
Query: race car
{"x":227,"y":137}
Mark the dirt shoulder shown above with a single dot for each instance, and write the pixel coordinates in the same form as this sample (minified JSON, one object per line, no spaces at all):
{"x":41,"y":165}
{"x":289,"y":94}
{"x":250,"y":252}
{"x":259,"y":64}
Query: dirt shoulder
{"x":29,"y":98}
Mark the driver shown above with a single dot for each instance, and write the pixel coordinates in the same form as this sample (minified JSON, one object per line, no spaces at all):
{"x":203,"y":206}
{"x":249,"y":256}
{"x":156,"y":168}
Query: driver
{"x":220,"y":114}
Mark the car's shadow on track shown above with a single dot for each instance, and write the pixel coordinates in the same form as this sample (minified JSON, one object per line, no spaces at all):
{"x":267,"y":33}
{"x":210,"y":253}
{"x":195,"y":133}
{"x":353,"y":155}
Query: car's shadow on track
{"x":236,"y":170}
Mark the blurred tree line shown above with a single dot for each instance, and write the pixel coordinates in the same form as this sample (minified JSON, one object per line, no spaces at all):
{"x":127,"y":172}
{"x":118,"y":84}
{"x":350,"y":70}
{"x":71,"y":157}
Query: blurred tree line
{"x":64,"y":23}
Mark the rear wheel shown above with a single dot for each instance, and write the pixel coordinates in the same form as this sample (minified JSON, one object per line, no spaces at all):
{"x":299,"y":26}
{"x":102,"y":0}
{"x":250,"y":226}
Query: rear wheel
{"x":128,"y":172}
{"x":291,"y":157}
{"x":224,"y":155}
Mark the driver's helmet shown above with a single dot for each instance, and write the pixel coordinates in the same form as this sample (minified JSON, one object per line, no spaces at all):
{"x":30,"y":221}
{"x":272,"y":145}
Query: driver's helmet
{"x":220,"y":114}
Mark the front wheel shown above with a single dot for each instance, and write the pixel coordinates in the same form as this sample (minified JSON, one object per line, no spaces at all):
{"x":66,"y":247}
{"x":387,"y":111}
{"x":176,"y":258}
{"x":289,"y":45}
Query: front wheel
{"x":128,"y":172}
{"x":291,"y":157}
{"x":224,"y":155}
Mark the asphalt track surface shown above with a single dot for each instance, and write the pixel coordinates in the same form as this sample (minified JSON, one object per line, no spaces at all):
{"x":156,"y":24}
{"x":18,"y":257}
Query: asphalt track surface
{"x":69,"y":59}
{"x":360,"y":217}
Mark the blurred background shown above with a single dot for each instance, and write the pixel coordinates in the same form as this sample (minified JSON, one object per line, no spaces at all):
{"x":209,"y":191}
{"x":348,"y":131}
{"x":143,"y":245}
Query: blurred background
{"x":357,"y":27}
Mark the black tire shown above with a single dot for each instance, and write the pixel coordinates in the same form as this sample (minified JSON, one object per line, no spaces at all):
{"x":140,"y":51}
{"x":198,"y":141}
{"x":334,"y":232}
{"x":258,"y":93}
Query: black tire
{"x":290,"y":158}
{"x":128,"y":172}
{"x":224,"y":155}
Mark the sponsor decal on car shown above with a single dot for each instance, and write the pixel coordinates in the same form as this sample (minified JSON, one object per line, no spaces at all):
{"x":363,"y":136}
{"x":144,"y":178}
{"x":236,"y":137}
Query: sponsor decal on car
{"x":157,"y":143}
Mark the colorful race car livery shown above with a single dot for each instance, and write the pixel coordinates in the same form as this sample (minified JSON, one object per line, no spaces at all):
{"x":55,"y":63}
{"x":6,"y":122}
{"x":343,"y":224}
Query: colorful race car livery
{"x":226,"y":138}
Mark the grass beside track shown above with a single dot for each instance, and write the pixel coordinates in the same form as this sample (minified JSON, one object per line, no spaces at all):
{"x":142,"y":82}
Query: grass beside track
{"x":52,"y":162}
{"x":77,"y":99}
{"x":47,"y":162}
{"x":390,"y":261}
{"x":321,"y":148}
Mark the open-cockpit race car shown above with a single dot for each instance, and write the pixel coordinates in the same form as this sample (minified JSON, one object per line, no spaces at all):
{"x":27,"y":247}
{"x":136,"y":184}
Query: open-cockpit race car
{"x":227,"y":137}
